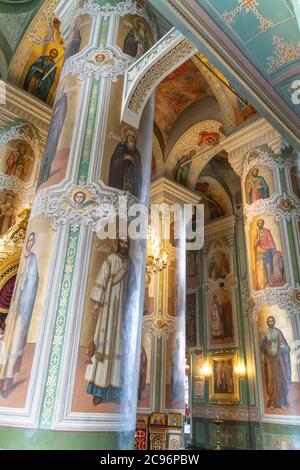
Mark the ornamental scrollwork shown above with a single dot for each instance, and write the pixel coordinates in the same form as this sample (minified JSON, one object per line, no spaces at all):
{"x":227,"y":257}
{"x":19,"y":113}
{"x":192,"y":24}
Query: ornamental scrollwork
{"x":128,"y":7}
{"x":100,"y":63}
{"x":80,"y":205}
{"x":159,"y":327}
{"x":286,"y":300}
{"x":184,"y":49}
{"x":12,"y":183}
{"x":262,"y":157}
{"x":22,"y":131}
{"x":280,"y":207}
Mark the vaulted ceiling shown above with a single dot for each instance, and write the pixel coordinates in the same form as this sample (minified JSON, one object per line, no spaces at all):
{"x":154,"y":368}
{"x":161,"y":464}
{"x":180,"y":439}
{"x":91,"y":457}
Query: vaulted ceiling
{"x":255,"y":44}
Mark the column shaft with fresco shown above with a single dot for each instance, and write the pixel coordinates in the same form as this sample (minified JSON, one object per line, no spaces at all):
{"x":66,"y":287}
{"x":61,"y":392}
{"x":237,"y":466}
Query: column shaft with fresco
{"x":21,"y":148}
{"x":271,"y":207}
{"x":70,"y":354}
{"x":161,"y":397}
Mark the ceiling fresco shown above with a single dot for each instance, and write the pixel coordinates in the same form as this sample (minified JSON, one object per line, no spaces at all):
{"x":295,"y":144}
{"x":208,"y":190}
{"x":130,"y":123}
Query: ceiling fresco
{"x":176,"y":93}
{"x":256,"y":45}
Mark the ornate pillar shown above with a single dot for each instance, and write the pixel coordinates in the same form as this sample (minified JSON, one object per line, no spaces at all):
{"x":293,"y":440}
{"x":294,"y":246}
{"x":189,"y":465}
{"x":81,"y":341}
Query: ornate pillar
{"x":80,"y":342}
{"x":22,"y":139}
{"x":272,"y":212}
{"x":163,"y":341}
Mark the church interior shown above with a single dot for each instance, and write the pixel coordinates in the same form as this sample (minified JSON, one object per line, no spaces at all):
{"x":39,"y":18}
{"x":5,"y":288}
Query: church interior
{"x":127,"y":343}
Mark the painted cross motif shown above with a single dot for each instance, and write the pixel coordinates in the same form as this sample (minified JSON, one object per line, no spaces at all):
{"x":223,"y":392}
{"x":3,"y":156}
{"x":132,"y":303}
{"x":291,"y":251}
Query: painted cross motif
{"x":248,"y":6}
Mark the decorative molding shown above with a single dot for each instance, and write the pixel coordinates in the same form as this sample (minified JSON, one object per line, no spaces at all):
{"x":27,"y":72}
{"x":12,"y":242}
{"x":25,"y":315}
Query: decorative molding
{"x":284,"y":298}
{"x":247,"y":302}
{"x":21,"y":130}
{"x":114,"y":64}
{"x":260,"y":156}
{"x":20,"y":105}
{"x":279,"y":207}
{"x":127,"y":7}
{"x":255,"y":134}
{"x":12,"y":183}
{"x":146,"y":73}
{"x":285,"y":52}
{"x":164,"y":190}
{"x":158,"y":327}
{"x":59,"y":205}
{"x":234,"y":413}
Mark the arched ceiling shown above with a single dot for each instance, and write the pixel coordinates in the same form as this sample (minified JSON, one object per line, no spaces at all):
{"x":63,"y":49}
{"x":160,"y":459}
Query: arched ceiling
{"x":255,"y":43}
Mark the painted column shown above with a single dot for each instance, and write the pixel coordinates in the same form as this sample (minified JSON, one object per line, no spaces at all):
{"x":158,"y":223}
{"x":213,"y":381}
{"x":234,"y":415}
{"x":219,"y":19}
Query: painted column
{"x":82,"y":308}
{"x":21,"y":147}
{"x":164,"y":335}
{"x":272,"y":211}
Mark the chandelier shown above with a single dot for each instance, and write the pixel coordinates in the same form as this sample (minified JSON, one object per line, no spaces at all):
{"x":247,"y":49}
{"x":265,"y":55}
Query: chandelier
{"x":156,"y":257}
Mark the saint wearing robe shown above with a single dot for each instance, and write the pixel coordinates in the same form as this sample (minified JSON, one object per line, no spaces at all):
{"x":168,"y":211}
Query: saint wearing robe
{"x":41,"y":75}
{"x":257,"y":187}
{"x":277,"y":366}
{"x":18,"y":162}
{"x":227,"y":316}
{"x":113,"y":296}
{"x":216,"y":319}
{"x":143,"y":373}
{"x":56,"y":125}
{"x":7,"y":214}
{"x":73,"y":44}
{"x":265,"y":248}
{"x":18,"y":319}
{"x":125,"y":166}
{"x":136,"y":42}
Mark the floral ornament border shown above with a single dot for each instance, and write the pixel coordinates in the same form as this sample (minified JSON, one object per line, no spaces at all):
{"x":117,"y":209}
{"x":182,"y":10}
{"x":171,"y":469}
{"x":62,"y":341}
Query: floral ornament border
{"x":12,"y":183}
{"x":274,"y":207}
{"x":285,"y":299}
{"x":84,"y":68}
{"x":262,"y":157}
{"x":128,"y":7}
{"x":53,"y":205}
{"x":154,"y":330}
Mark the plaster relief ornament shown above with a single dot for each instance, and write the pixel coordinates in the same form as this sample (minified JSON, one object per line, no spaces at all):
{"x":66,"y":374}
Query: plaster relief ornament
{"x":79,"y":200}
{"x":100,"y":63}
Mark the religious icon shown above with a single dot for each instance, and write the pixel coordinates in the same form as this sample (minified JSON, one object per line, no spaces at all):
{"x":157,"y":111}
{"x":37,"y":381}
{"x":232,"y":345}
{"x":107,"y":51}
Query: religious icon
{"x":269,"y":266}
{"x":7,"y":212}
{"x":137,"y":41}
{"x":219,"y":266}
{"x":41,"y":75}
{"x":256,"y":187}
{"x":125,"y":166}
{"x":56,"y":125}
{"x":181,"y":170}
{"x":19,"y":318}
{"x":113,"y":297}
{"x":221,"y":329}
{"x":18,"y":162}
{"x":79,"y":200}
{"x":224,"y":386}
{"x":277,"y":365}
{"x":158,"y":419}
{"x":295,"y":177}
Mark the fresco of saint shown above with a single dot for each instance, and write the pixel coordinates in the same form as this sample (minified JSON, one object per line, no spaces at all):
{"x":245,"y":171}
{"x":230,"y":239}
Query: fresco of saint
{"x":125,"y":166}
{"x":181,"y":171}
{"x":143,"y":373}
{"x":137,"y":42}
{"x":17,"y":163}
{"x":41,"y":75}
{"x":7,"y":213}
{"x":277,"y":365}
{"x":265,"y":248}
{"x":257,"y":187}
{"x":18,"y":320}
{"x":113,"y":296}
{"x":217,"y":330}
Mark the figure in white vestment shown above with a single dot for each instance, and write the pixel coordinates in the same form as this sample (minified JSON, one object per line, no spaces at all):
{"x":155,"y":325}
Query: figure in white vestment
{"x":18,"y":320}
{"x":113,"y":296}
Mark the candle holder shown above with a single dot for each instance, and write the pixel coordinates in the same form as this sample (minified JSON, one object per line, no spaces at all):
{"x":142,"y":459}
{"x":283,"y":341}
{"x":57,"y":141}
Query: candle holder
{"x":218,"y":422}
